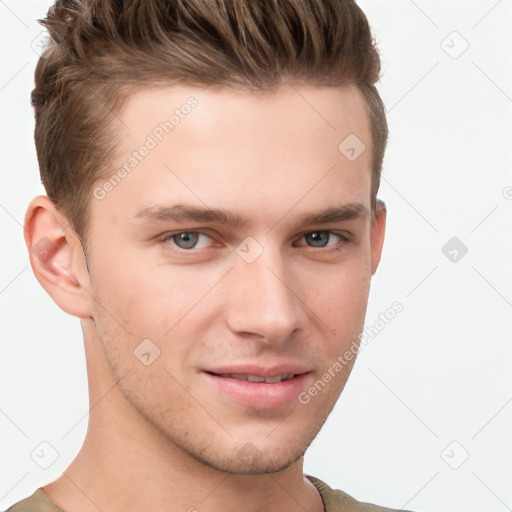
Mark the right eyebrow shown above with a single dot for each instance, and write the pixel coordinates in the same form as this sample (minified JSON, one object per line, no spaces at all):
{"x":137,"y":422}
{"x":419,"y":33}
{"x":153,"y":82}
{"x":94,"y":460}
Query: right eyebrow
{"x":186,"y":213}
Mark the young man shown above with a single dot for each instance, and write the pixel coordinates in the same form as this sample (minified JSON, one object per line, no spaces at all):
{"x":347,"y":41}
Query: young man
{"x":212,"y":170}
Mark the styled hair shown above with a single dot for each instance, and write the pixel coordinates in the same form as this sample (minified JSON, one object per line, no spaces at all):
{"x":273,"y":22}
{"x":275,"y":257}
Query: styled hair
{"x":102,"y":51}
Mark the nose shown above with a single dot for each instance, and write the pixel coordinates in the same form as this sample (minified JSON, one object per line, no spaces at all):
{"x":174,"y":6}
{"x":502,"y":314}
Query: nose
{"x":263,"y":301}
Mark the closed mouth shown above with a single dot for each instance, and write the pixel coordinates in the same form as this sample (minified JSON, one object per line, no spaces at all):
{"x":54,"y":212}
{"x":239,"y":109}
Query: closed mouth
{"x":256,"y":378}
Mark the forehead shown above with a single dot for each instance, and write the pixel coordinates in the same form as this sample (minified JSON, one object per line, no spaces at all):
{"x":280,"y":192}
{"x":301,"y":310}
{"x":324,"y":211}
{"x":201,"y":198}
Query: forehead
{"x":292,"y":111}
{"x":240,"y":150}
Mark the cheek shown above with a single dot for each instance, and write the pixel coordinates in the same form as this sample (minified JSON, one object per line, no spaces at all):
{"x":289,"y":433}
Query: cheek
{"x":167,"y":299}
{"x":169,"y":306}
{"x":339,"y":294}
{"x":341,"y":306}
{"x":125,"y":305}
{"x":134,"y":289}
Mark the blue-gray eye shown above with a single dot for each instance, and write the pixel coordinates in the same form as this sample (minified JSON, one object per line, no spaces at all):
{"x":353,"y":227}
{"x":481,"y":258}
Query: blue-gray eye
{"x":186,"y":240}
{"x":319,"y":238}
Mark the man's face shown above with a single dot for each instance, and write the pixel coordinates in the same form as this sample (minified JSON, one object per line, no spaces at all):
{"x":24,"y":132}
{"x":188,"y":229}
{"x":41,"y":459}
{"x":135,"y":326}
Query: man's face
{"x":277,"y":295}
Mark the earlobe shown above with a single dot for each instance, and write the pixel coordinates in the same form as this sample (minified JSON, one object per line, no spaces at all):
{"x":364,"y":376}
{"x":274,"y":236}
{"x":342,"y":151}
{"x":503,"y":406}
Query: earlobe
{"x":378,"y":230}
{"x":56,"y":257}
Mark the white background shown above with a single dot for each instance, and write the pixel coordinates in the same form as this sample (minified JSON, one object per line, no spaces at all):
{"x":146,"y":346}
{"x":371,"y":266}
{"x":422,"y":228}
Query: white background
{"x":435,"y":385}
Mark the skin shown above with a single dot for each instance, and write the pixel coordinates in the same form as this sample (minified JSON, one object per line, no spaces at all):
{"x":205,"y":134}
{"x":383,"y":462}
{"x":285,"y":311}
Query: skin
{"x":163,"y":436}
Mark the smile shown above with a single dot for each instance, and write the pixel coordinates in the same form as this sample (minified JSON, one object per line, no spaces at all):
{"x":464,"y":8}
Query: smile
{"x":258,"y":388}
{"x":258,"y":378}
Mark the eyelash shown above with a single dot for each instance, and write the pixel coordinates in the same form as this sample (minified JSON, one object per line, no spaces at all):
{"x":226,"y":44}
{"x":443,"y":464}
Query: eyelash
{"x":343,"y":236}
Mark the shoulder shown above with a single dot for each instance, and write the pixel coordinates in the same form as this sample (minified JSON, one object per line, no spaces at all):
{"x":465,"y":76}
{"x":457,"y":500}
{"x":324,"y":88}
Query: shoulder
{"x":37,"y":502}
{"x":339,"y":501}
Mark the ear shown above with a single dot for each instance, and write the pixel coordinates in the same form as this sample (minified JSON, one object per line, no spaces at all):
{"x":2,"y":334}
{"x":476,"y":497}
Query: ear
{"x":57,"y":257}
{"x":378,"y":229}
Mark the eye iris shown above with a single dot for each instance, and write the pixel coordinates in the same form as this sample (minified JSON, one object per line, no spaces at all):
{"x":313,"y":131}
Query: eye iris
{"x":186,"y":240}
{"x":319,"y":238}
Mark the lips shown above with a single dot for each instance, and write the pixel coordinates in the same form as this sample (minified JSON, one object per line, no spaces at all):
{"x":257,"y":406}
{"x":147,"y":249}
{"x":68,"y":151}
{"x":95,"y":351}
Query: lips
{"x":258,"y":378}
{"x":259,"y":387}
{"x":282,"y":369}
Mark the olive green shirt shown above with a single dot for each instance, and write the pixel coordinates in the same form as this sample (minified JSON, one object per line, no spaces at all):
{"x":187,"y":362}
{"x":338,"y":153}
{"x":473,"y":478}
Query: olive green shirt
{"x":334,"y":501}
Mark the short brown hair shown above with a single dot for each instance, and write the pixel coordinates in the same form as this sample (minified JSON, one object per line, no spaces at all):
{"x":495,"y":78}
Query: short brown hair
{"x":103,"y":50}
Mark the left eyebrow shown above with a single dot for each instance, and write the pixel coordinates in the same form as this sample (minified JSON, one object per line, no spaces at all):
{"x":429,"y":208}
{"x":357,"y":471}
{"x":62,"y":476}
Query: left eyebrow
{"x":346,"y":212}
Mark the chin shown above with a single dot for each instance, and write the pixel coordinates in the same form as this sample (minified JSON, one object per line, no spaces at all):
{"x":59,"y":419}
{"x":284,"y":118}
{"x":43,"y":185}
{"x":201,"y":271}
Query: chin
{"x":261,"y":455}
{"x":249,"y":460}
